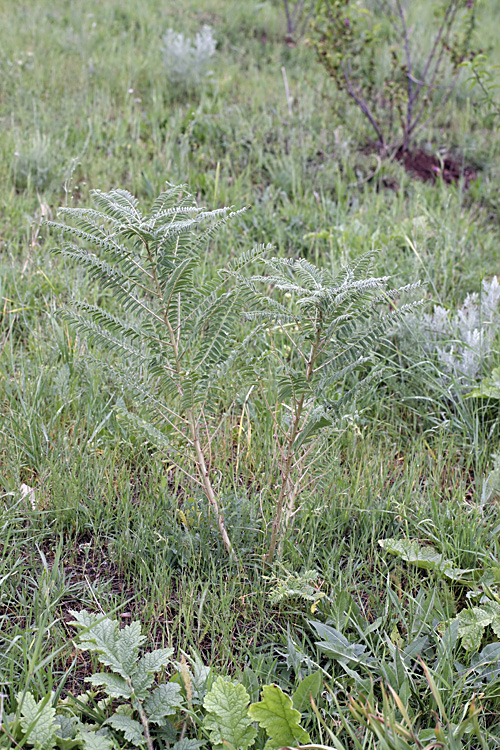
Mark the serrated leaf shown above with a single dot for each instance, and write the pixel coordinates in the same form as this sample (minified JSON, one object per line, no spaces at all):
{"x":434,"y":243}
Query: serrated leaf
{"x":147,"y":666}
{"x":129,"y":640}
{"x":67,"y":726}
{"x":227,"y":720}
{"x":94,"y":741}
{"x":114,"y":684}
{"x":155,"y":660}
{"x":38,"y":721}
{"x":309,"y":688}
{"x":275,"y":713}
{"x":164,"y":701}
{"x":493,"y":609}
{"x":117,"y":649}
{"x":130,"y":727}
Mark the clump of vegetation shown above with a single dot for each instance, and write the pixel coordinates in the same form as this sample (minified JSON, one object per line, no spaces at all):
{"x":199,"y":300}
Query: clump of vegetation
{"x":186,"y":61}
{"x":413,"y":86}
{"x":102,"y":503}
{"x":177,"y":334}
{"x":463,"y":341}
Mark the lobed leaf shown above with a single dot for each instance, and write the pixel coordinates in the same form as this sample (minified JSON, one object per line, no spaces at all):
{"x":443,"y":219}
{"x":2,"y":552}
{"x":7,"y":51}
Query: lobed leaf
{"x":275,"y":713}
{"x":164,"y":701}
{"x":38,"y":721}
{"x":228,"y":720}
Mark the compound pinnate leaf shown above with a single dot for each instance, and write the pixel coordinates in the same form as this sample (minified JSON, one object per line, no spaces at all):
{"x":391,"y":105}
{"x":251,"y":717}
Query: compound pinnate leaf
{"x":164,"y":701}
{"x":276,"y":714}
{"x":131,"y":729}
{"x":227,"y":719}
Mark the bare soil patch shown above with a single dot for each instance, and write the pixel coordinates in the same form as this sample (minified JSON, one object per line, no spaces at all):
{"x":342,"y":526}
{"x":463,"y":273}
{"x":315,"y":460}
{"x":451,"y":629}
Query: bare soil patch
{"x":430,"y":168}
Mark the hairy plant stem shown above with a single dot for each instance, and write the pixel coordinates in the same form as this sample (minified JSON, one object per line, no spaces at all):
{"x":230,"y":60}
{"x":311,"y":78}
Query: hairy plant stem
{"x":199,"y":456}
{"x":142,"y":715}
{"x":288,"y":490}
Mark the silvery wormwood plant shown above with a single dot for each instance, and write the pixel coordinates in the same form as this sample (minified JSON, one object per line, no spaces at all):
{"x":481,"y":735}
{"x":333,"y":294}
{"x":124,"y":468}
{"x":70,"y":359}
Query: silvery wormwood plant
{"x":185,"y":60}
{"x":462,"y":341}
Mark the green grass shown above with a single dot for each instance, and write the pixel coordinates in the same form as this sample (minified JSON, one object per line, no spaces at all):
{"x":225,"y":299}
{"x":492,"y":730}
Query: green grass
{"x":85,"y":103}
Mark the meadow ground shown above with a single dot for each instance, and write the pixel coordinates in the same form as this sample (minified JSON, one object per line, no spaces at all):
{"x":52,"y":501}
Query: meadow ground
{"x":85,"y":103}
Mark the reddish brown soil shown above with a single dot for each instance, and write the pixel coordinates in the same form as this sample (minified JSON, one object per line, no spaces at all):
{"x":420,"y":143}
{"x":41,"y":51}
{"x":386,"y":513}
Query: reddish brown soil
{"x":430,"y":168}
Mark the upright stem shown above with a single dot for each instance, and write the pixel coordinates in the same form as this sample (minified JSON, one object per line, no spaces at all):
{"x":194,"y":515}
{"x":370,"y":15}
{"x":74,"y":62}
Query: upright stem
{"x":199,"y":456}
{"x":363,"y":106}
{"x":409,"y":107}
{"x":285,"y":478}
{"x":207,"y":483}
{"x":287,"y":466}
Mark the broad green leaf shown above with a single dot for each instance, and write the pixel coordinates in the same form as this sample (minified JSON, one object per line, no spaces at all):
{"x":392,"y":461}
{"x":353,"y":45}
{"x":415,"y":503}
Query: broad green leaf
{"x":114,"y":684}
{"x":38,"y":721}
{"x":187,"y":744}
{"x":94,"y":741}
{"x":130,"y":727}
{"x":164,"y":701}
{"x":471,"y":625}
{"x":489,"y":387}
{"x":308,"y":688}
{"x":424,"y":557}
{"x":493,"y":609}
{"x":275,"y":713}
{"x":227,"y":720}
{"x":67,"y":726}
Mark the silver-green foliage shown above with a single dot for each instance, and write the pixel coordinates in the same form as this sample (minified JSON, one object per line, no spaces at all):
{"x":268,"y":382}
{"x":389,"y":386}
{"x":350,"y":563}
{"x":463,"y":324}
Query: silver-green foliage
{"x":186,"y":61}
{"x":42,"y":726}
{"x":174,"y":333}
{"x":464,"y":341}
{"x":131,"y":677}
{"x":322,"y":329}
{"x":178,"y":332}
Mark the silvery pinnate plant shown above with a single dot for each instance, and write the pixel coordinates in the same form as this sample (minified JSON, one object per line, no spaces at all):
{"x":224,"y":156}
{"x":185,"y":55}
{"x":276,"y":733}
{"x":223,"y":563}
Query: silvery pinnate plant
{"x":174,"y":334}
{"x":322,"y":330}
{"x":177,"y":333}
{"x":186,"y":60}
